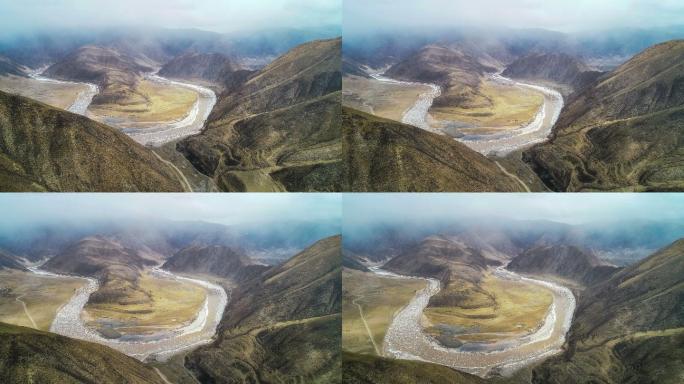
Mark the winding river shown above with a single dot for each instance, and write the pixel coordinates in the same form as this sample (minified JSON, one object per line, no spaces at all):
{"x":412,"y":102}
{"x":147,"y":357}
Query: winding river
{"x":160,"y":345}
{"x":153,"y":134}
{"x":405,"y":338}
{"x":500,"y":144}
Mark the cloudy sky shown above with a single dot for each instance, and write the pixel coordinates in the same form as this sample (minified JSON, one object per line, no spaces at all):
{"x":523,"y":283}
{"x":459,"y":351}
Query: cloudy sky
{"x":570,"y":208}
{"x":560,"y":15}
{"x":213,"y":15}
{"x":223,"y":208}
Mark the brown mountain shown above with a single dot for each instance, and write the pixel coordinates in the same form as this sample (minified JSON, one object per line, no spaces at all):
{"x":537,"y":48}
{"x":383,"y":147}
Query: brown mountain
{"x":281,"y":327}
{"x":279,"y":129}
{"x":48,"y":149}
{"x":116,"y":73}
{"x":9,"y":67}
{"x":10,"y":261}
{"x":627,"y":329}
{"x":197,"y":66}
{"x":623,"y":132}
{"x":384,"y":155}
{"x":216,"y":260}
{"x":565,"y":261}
{"x":31,"y":356}
{"x":557,"y":67}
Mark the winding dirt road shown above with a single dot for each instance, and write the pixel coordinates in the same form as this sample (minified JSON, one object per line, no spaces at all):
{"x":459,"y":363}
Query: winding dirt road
{"x":405,"y":338}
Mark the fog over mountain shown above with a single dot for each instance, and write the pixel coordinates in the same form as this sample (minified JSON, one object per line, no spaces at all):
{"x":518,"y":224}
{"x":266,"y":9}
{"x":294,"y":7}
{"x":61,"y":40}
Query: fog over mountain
{"x":212,"y":15}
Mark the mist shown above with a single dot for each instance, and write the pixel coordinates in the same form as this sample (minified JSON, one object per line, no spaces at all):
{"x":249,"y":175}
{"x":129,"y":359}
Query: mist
{"x":581,"y":16}
{"x":223,"y":16}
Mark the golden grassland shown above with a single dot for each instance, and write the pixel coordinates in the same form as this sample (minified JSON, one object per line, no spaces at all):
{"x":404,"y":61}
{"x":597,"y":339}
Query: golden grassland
{"x":381,"y":99}
{"x":517,"y":307}
{"x":380,"y":298}
{"x":56,"y":95}
{"x":495,"y":107}
{"x":149,"y":102}
{"x":159,"y":304}
{"x":43,"y":297}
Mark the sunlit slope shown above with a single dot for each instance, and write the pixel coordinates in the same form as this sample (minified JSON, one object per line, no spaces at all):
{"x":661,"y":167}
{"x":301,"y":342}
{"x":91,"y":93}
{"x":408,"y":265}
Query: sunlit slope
{"x":624,"y":132}
{"x":283,"y":326}
{"x":383,"y":155}
{"x":629,"y":328}
{"x":27,"y":355}
{"x":47,"y":149}
{"x":279,"y":130}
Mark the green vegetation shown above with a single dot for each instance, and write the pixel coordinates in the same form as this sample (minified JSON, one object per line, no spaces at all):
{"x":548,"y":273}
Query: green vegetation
{"x":383,"y":155}
{"x":30,"y":356}
{"x":379,"y":299}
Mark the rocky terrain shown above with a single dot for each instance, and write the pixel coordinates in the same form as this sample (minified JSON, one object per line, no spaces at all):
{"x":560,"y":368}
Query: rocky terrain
{"x":217,"y":260}
{"x":9,"y":261}
{"x":623,"y":132}
{"x":198,"y":66}
{"x":48,"y":149}
{"x":279,"y":128}
{"x":560,"y":68}
{"x":281,"y":326}
{"x":570,"y":262}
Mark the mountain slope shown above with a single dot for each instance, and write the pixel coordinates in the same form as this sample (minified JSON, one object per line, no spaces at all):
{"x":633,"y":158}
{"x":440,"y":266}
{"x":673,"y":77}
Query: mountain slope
{"x":383,"y":155}
{"x":623,"y":132}
{"x":279,"y":129}
{"x":197,"y":66}
{"x":47,"y":149}
{"x":628,"y":329}
{"x":9,"y":261}
{"x":565,"y":261}
{"x":215,"y":260}
{"x":557,"y":67}
{"x":281,"y":327}
{"x":31,"y":356}
{"x":9,"y":67}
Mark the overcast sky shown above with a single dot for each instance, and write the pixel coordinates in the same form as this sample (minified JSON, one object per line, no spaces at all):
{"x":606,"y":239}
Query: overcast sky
{"x":361,"y":16}
{"x":30,"y":208}
{"x":570,"y":208}
{"x":213,"y":15}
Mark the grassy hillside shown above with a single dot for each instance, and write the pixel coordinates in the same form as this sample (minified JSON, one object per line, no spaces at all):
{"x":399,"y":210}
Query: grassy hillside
{"x":279,"y":129}
{"x":383,"y":155}
{"x":47,"y":149}
{"x":622,"y":133}
{"x":30,"y":356}
{"x":281,"y":327}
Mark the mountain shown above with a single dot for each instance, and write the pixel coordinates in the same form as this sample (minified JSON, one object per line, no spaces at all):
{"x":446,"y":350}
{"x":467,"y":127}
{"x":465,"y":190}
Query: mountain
{"x":566,"y":261}
{"x":9,"y":67}
{"x":48,"y":149}
{"x":279,"y":129}
{"x":31,"y":356}
{"x":457,"y":68}
{"x":116,"y":73}
{"x":384,"y":155}
{"x":9,"y":261}
{"x":623,"y":132}
{"x":281,"y":327}
{"x":215,"y":260}
{"x":557,"y":67}
{"x":627,"y":329}
{"x":117,"y":267}
{"x":198,"y":66}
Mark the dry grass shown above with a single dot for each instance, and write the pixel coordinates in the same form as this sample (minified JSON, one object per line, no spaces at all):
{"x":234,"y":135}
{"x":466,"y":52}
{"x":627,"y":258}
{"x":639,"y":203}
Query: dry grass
{"x":495,"y":107}
{"x":42,"y":295}
{"x":149,"y":102}
{"x":517,"y":307}
{"x":56,"y":95}
{"x":381,"y":99}
{"x":171,"y":304}
{"x":380,"y":298}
